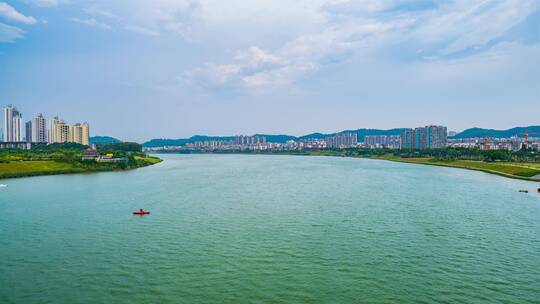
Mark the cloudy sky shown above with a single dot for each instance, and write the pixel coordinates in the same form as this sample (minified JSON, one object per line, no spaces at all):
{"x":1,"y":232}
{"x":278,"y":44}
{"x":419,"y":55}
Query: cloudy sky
{"x":141,"y":69}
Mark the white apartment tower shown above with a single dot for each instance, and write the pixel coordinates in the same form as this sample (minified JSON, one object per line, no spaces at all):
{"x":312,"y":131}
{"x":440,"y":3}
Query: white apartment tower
{"x":13,"y":125}
{"x":37,"y":130}
{"x":52,"y":136}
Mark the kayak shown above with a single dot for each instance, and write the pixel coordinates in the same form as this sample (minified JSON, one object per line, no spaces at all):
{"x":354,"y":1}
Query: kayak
{"x":141,"y":213}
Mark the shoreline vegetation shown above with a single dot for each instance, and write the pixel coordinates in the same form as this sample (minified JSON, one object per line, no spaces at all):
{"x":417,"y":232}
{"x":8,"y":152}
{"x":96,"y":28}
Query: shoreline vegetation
{"x":523,"y":165}
{"x":70,"y":158}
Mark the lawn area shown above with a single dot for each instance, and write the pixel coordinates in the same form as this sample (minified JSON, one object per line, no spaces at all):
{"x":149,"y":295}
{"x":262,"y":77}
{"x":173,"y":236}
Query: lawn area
{"x":527,"y":165}
{"x":507,"y":168}
{"x":29,"y":168}
{"x":147,"y":160}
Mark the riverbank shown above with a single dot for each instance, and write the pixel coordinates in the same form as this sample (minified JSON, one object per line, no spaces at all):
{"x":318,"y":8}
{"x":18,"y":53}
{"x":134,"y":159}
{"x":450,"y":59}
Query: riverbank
{"x":510,"y":170}
{"x":72,"y":158}
{"x":29,"y":168}
{"x":516,"y":170}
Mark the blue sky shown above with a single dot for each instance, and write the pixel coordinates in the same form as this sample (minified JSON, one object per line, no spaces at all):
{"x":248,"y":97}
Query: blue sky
{"x":144,"y":69}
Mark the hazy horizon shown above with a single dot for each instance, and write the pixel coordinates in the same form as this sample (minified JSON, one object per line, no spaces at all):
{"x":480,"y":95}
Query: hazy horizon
{"x":138,"y":70}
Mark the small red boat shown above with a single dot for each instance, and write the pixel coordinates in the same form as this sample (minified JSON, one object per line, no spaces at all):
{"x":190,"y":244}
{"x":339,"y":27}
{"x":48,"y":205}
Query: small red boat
{"x":141,"y":212}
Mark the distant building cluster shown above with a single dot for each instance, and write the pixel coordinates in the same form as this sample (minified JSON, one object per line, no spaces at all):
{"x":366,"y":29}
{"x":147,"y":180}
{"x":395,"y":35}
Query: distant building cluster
{"x":241,"y":142}
{"x":382,"y":141}
{"x":40,"y":130}
{"x":429,"y":137}
{"x":312,"y":143}
{"x":249,"y":140}
{"x":513,"y":143}
{"x":342,"y":140}
{"x":210,"y":144}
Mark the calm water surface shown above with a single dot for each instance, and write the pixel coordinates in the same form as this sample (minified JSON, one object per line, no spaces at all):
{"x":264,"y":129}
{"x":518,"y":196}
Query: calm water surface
{"x":270,"y":229}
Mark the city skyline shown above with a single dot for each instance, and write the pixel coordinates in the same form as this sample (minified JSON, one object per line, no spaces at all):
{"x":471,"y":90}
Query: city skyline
{"x":39,"y":129}
{"x":176,"y":68}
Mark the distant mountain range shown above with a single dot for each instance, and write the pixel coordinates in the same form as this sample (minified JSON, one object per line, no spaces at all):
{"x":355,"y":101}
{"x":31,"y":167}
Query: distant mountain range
{"x":103,"y":140}
{"x":270,"y":138}
{"x":534,"y":131}
{"x":473,"y":132}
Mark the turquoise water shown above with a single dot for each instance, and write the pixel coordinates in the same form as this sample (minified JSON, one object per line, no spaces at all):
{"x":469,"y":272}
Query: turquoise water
{"x":270,"y":229}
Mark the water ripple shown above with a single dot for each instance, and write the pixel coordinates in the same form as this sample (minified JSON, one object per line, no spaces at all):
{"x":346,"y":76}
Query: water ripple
{"x":270,"y":229}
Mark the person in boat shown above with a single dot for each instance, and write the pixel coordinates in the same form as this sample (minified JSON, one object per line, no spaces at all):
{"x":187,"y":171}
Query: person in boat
{"x":141,"y":211}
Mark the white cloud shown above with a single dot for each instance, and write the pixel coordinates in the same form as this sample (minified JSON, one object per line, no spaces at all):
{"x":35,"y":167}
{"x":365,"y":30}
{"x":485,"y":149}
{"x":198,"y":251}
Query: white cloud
{"x":290,"y":39}
{"x":480,"y":67}
{"x":47,"y":3}
{"x":329,"y":31}
{"x":99,"y":12}
{"x":93,"y":23}
{"x":160,"y":16}
{"x":460,"y":26}
{"x":256,"y":67}
{"x":10,"y":33}
{"x":10,"y":13}
{"x":255,"y":57}
{"x":142,"y":30}
{"x":281,"y":76}
{"x":360,"y":7}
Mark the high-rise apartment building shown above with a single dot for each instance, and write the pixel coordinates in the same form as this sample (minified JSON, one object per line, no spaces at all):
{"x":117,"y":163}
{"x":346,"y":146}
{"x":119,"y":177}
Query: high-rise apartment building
{"x":429,"y":137}
{"x":37,"y":130}
{"x":8,"y":123}
{"x":386,"y":141}
{"x":249,"y":140}
{"x":28,"y":130}
{"x":59,"y":131}
{"x":13,"y":125}
{"x":53,"y":134}
{"x":407,"y":139}
{"x":420,"y":138}
{"x":436,"y":137}
{"x":63,"y":133}
{"x":342,"y":140}
{"x":79,"y":133}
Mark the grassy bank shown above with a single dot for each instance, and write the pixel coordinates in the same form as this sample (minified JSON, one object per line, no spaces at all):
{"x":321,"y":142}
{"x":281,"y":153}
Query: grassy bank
{"x":51,"y":167}
{"x":518,"y":170}
{"x":66,"y":159}
{"x":525,"y":171}
{"x":33,"y":168}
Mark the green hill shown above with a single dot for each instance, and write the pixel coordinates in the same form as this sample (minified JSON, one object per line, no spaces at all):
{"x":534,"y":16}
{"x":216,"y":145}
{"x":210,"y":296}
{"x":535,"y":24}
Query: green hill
{"x":533,"y":131}
{"x":103,"y":140}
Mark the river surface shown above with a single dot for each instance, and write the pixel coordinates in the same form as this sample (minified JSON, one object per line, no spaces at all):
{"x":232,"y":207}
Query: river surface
{"x":270,"y":229}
